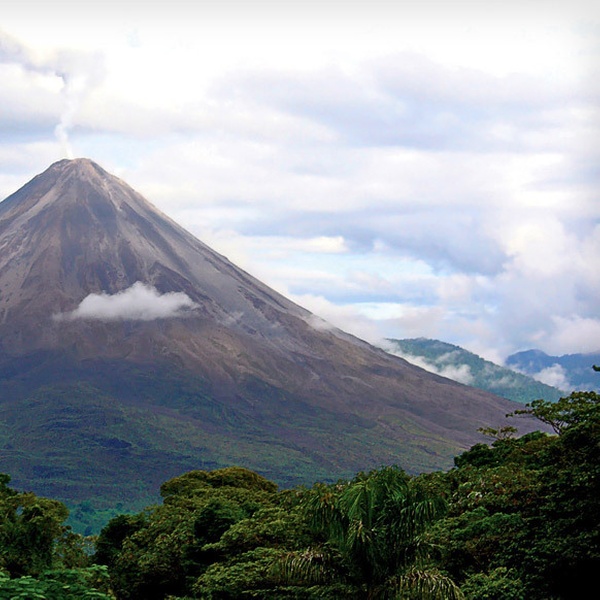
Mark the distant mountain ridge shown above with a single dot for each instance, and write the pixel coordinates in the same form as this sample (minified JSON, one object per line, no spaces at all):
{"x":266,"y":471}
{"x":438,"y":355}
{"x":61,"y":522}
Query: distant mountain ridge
{"x":454,"y":361}
{"x":575,"y":368}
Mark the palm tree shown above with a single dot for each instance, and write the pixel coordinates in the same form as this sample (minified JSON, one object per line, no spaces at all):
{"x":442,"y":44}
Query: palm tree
{"x":371,"y":539}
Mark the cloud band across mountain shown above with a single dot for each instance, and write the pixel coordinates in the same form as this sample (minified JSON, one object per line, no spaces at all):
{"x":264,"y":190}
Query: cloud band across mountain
{"x":140,"y":302}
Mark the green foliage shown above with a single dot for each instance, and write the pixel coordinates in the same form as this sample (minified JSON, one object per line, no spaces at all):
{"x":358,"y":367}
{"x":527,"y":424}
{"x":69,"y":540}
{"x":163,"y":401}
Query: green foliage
{"x":235,"y":477}
{"x":578,"y":408}
{"x":372,"y":530}
{"x":564,"y":538}
{"x":230,"y":534}
{"x":72,"y":584}
{"x":247,"y":575}
{"x":524,"y":518}
{"x":270,"y":527}
{"x":499,"y":584}
{"x":110,"y":543}
{"x":40,"y":557}
{"x":30,"y":526}
{"x":527,"y":448}
{"x":240,"y":563}
{"x":33,"y":537}
{"x":164,"y":550}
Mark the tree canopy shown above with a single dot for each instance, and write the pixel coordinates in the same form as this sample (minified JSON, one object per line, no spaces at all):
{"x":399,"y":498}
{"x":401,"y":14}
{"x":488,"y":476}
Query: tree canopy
{"x":39,"y":555}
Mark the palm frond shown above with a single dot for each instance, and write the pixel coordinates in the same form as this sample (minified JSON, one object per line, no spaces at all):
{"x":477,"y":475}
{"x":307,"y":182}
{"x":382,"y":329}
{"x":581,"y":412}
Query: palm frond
{"x":314,"y":566}
{"x":420,"y":585}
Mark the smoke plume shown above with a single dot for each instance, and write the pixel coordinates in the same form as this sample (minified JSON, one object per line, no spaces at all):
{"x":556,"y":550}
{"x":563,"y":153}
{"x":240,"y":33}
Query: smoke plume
{"x":79,"y":72}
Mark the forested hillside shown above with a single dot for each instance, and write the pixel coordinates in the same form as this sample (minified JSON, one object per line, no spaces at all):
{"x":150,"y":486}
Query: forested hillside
{"x":468,"y":368}
{"x":518,"y":519}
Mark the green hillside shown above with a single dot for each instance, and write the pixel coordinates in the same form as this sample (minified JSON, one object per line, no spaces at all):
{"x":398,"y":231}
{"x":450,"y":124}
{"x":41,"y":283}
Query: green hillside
{"x":109,"y":436}
{"x":456,"y":362}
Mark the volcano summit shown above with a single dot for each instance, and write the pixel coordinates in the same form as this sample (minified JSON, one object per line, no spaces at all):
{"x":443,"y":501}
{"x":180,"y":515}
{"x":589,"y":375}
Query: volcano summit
{"x":131,"y":352}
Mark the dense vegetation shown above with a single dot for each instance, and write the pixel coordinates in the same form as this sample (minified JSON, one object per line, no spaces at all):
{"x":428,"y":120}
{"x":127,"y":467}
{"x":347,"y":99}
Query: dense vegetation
{"x":517,"y":519}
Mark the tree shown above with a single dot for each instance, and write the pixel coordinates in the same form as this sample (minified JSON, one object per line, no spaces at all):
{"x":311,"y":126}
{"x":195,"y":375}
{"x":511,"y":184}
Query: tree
{"x":524,"y":514}
{"x":565,"y":550}
{"x":33,"y":536}
{"x":371,"y":530}
{"x":577,"y":408}
{"x":160,"y":552}
{"x":40,"y":557}
{"x":240,"y":564}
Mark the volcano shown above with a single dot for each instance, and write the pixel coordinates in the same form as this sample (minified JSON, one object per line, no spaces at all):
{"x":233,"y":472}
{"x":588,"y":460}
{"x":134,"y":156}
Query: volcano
{"x":130,"y":352}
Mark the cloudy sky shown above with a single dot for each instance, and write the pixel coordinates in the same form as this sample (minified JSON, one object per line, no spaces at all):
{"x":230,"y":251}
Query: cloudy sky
{"x":402,"y":169}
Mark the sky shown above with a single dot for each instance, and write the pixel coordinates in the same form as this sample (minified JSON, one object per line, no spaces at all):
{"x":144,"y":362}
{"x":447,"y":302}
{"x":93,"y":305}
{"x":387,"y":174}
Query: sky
{"x":401,"y":169}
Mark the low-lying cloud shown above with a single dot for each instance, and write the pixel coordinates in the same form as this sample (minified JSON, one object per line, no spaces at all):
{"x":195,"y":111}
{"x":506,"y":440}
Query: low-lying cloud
{"x":461,"y":373}
{"x":140,"y":302}
{"x":555,"y":376}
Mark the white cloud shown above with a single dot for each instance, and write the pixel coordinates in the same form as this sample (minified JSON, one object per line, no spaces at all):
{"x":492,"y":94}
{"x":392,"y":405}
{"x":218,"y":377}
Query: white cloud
{"x":555,"y":376}
{"x":140,"y":302}
{"x":460,"y":373}
{"x":573,"y":334}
